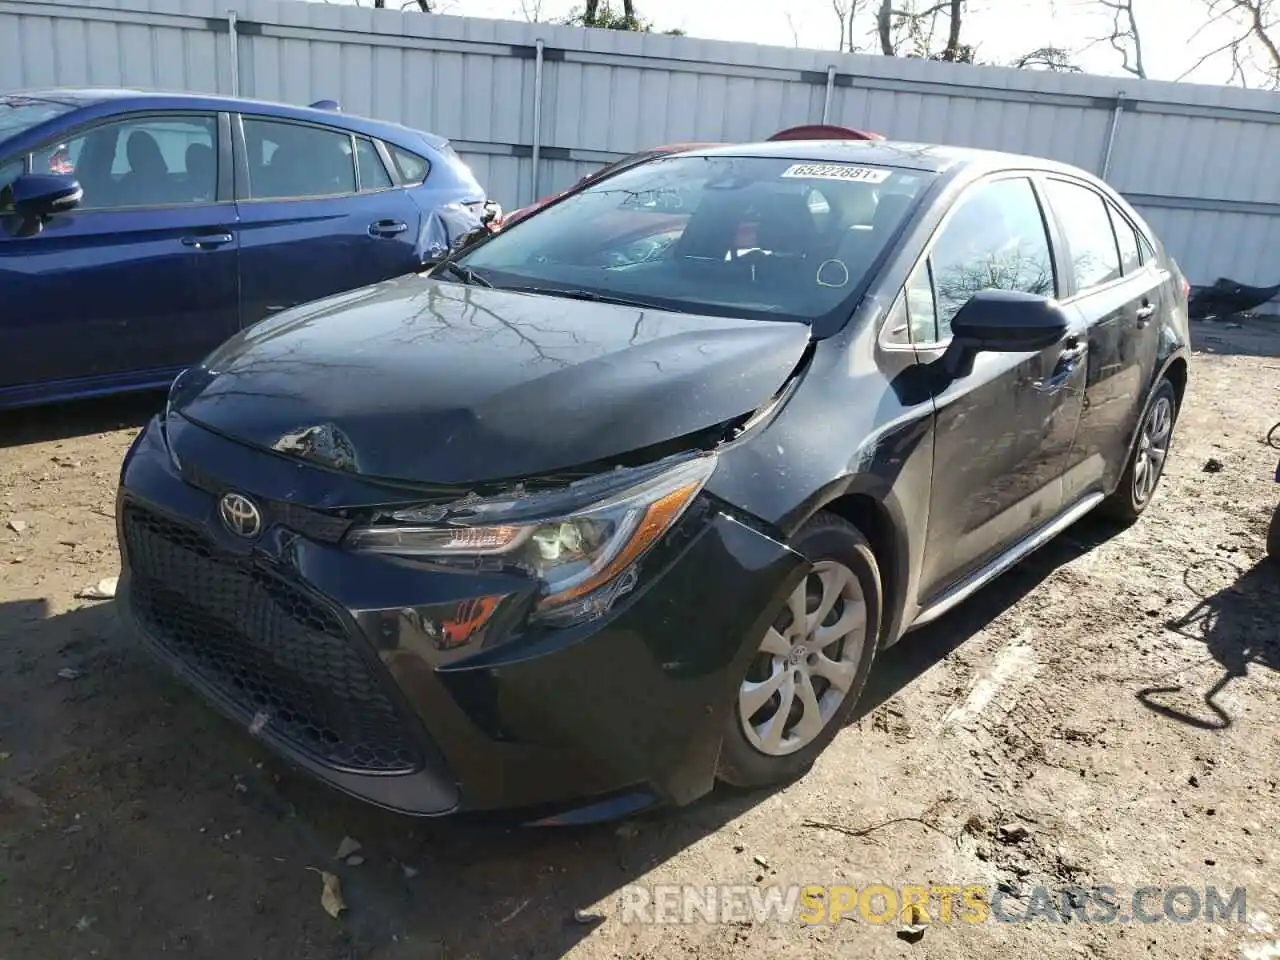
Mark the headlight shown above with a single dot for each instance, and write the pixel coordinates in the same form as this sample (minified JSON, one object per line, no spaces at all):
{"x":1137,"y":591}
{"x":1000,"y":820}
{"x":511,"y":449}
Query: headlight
{"x":582,"y":543}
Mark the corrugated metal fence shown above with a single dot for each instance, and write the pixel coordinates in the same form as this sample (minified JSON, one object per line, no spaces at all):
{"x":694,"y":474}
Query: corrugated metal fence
{"x":533,"y":106}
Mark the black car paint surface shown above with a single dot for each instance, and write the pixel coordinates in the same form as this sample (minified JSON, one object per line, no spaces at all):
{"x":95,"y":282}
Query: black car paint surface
{"x":444,"y":384}
{"x":427,"y":390}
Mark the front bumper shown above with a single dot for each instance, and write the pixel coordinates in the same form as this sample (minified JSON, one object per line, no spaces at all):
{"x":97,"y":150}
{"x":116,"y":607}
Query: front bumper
{"x":425,"y":690}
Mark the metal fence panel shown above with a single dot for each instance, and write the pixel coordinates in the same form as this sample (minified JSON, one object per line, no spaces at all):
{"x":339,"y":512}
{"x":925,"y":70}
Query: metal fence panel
{"x":1193,"y":159}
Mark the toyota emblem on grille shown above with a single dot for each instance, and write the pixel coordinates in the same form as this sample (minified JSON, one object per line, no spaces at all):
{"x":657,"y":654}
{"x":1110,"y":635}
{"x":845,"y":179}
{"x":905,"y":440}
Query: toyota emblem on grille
{"x":240,"y":515}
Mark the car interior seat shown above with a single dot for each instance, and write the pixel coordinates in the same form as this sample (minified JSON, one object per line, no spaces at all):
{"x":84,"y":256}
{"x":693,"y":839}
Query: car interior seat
{"x":201,"y":171}
{"x":147,"y":180}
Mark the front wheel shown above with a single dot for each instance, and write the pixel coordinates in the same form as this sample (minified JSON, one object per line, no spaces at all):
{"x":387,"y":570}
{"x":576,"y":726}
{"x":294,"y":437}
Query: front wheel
{"x":811,"y":665}
{"x":1146,"y":464}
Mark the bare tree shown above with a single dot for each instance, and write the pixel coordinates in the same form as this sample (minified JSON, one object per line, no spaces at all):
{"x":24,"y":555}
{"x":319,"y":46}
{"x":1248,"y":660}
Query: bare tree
{"x":1047,"y":58}
{"x":846,"y":12}
{"x":884,"y":28}
{"x":531,"y":10}
{"x":791,"y":25}
{"x":952,"y":50}
{"x":426,"y":6}
{"x":1253,"y":45}
{"x":1125,"y":38}
{"x":909,"y":30}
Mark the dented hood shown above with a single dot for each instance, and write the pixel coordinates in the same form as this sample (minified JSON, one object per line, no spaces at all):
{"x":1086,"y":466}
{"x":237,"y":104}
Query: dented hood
{"x":434,"y":382}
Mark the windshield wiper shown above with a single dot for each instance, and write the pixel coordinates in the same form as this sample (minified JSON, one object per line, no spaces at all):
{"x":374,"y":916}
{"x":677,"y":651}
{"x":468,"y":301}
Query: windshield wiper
{"x":464,"y":273}
{"x":590,"y":295}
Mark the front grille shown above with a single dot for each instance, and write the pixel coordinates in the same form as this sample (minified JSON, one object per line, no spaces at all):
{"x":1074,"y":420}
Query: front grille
{"x":314,"y":524}
{"x":264,"y":644}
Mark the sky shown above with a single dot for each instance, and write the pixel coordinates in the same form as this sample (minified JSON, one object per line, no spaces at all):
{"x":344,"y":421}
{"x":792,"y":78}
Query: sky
{"x":1175,"y":33}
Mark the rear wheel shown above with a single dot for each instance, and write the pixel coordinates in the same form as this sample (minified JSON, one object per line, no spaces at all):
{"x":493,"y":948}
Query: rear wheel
{"x":1146,"y":464}
{"x":811,"y":664}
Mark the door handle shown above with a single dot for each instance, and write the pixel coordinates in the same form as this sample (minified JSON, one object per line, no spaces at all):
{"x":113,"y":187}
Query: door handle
{"x":207,"y":241}
{"x":1145,"y":313}
{"x":387,"y":228}
{"x":1072,"y":351}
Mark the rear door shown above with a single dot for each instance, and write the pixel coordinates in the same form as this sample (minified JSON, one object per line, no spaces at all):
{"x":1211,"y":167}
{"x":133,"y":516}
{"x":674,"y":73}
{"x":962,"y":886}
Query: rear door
{"x":319,"y":213}
{"x":141,"y":278}
{"x":1003,"y":431}
{"x":1119,"y":294}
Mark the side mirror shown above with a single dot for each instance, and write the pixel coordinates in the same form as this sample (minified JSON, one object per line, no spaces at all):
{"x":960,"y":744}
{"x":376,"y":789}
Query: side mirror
{"x":1004,"y":321}
{"x":1008,"y":321}
{"x":38,"y":196}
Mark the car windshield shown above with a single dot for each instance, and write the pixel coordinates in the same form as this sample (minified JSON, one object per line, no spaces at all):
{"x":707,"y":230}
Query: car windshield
{"x":758,"y":237}
{"x":19,"y":114}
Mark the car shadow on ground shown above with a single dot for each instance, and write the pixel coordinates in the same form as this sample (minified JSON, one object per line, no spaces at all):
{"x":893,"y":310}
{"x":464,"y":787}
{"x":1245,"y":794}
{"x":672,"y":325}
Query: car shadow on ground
{"x":171,"y":782}
{"x":79,"y":418}
{"x":1237,"y":625}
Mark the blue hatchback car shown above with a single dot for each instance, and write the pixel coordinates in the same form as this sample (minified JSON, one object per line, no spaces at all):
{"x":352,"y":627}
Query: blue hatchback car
{"x":138,"y":231}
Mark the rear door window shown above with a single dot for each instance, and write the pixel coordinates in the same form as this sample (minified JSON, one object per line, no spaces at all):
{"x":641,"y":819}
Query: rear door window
{"x":373,"y":172}
{"x":289,"y":161}
{"x":1127,"y":240}
{"x":1091,"y":241}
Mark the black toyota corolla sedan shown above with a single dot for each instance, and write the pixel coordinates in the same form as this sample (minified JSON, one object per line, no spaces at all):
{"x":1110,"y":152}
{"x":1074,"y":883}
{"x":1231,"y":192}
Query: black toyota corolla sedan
{"x":627,"y":498}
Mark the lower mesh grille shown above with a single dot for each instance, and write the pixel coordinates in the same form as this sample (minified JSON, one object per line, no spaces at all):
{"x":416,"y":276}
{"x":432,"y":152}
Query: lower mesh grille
{"x":267,"y":646}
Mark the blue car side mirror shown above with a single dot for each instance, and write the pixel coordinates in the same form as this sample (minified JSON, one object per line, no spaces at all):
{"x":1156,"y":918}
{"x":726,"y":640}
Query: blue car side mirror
{"x":38,"y":196}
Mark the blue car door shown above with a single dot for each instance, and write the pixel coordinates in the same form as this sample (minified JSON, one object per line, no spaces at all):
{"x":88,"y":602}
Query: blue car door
{"x":319,"y":214}
{"x":137,"y":282}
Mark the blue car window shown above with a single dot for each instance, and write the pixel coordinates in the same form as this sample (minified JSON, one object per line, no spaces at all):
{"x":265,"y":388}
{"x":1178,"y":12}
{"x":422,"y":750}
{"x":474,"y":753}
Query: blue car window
{"x":8,"y":173}
{"x":291,"y":160}
{"x":373,"y":173}
{"x":412,"y":168}
{"x":139,"y":162}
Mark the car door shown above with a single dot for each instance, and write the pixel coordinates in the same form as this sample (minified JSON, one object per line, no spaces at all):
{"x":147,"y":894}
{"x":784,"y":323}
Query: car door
{"x":320,"y":214}
{"x":1119,"y":296}
{"x":140,"y":279}
{"x":1004,"y":429}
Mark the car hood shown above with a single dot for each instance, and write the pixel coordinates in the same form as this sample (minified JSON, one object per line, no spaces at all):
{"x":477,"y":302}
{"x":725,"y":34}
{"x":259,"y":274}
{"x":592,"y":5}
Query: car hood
{"x":441,"y":383}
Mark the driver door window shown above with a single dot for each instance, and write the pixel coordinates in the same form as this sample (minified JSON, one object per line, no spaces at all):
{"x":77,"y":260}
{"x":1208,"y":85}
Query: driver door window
{"x":994,"y":239}
{"x":8,"y":173}
{"x":140,"y":162}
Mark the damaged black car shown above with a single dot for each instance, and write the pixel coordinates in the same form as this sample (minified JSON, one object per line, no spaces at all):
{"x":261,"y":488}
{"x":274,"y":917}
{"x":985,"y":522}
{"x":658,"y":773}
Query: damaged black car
{"x":628,"y":497}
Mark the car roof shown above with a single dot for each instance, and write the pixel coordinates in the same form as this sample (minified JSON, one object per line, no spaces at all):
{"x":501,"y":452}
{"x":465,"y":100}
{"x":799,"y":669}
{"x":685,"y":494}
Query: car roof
{"x":86,"y":97}
{"x":921,"y":157}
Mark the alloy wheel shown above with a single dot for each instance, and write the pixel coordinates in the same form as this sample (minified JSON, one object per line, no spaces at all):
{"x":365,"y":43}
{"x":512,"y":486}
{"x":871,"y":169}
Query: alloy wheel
{"x":1153,"y":449}
{"x":807,"y":662}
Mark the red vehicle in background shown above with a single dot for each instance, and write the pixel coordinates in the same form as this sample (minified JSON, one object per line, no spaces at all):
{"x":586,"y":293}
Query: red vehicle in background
{"x":819,"y":131}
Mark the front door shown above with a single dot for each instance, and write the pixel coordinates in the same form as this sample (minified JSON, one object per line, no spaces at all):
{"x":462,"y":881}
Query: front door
{"x":1003,"y":430}
{"x":319,"y":215}
{"x":137,"y":282}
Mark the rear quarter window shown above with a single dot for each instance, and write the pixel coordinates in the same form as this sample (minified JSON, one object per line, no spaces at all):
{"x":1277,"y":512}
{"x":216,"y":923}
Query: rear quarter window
{"x":410,"y":167}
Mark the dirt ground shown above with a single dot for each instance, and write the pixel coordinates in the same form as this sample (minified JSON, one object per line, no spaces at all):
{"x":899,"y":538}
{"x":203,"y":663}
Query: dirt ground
{"x":1118,"y":696}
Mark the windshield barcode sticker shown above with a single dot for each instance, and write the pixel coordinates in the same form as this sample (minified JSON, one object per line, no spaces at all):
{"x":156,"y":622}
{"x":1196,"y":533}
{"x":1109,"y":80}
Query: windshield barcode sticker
{"x":836,"y":171}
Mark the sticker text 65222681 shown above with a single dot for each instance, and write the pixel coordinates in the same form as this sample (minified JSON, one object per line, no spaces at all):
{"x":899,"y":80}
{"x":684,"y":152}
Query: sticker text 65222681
{"x":836,"y":171}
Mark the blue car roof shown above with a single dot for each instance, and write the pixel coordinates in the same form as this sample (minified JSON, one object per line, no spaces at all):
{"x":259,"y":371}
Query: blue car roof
{"x":105,"y":101}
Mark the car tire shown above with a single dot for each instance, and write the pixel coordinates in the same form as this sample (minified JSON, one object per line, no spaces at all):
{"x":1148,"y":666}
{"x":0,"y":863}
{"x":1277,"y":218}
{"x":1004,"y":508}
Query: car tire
{"x":1273,"y":537}
{"x":803,"y":674}
{"x":1142,"y":474}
